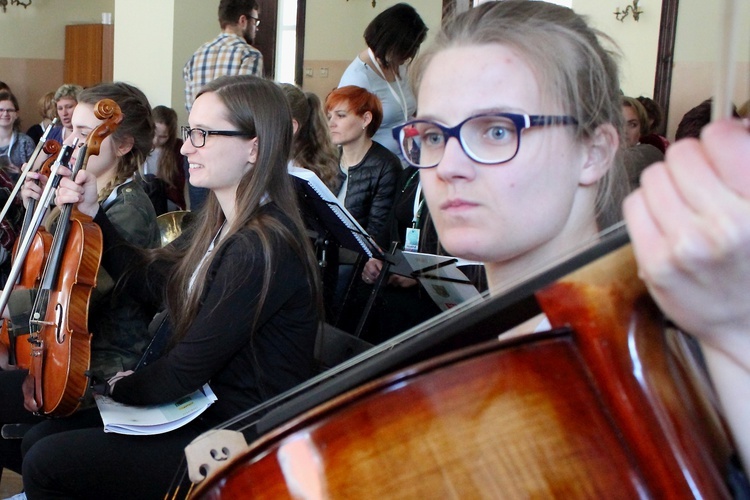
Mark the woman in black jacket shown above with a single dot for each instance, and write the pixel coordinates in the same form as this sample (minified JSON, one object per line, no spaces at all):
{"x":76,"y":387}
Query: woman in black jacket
{"x":369,"y":170}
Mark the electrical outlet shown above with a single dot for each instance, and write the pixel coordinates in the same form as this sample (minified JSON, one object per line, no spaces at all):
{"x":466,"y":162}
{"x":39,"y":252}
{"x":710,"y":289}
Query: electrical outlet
{"x":324,"y":72}
{"x":309,"y":72}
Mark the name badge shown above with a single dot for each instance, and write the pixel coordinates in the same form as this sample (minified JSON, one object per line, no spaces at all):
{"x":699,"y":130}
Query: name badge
{"x":411,"y":243}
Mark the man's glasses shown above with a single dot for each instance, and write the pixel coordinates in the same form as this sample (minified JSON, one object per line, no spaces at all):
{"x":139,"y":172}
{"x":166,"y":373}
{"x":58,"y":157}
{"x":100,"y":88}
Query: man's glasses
{"x":9,"y":111}
{"x":198,"y":135}
{"x":257,"y":21}
{"x":488,"y":139}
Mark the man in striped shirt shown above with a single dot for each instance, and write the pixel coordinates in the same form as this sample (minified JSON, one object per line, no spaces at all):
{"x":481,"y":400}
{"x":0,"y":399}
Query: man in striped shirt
{"x":230,"y":53}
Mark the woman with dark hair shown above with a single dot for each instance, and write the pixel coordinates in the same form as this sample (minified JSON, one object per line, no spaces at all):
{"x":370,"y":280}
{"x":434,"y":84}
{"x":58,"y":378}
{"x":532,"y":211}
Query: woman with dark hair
{"x":165,"y":162}
{"x":393,"y":38}
{"x":118,"y":323}
{"x":240,"y":289}
{"x":654,"y":134}
{"x":312,"y":147}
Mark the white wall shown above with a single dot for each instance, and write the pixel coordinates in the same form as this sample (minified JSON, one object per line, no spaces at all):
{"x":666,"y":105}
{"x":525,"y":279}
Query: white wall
{"x":32,"y":47}
{"x":637,"y":41}
{"x":38,"y":31}
{"x":333,"y":28}
{"x":150,"y":50}
{"x":144,"y":47}
{"x":696,"y":52}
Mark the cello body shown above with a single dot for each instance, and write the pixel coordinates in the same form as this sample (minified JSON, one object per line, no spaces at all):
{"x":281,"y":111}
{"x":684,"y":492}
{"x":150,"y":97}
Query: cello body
{"x":608,"y":404}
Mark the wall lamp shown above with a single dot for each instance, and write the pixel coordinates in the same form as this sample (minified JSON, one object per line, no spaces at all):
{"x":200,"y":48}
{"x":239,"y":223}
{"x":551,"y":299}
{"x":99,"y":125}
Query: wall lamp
{"x":4,"y":3}
{"x":630,"y":9}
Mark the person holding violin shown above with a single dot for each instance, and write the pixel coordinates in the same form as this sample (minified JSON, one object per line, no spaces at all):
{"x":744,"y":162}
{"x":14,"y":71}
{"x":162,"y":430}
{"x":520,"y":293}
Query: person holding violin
{"x":240,"y":288}
{"x":118,"y":322}
{"x":517,"y":178}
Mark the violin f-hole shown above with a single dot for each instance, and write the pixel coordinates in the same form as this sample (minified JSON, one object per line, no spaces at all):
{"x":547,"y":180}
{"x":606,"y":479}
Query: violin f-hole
{"x":59,"y":334}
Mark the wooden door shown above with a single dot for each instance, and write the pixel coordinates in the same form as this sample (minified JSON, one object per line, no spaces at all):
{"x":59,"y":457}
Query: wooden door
{"x":89,"y":52}
{"x":265,"y":37}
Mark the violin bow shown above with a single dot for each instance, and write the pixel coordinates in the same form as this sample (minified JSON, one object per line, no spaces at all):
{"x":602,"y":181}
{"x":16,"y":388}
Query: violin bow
{"x":26,"y":169}
{"x":36,"y":220}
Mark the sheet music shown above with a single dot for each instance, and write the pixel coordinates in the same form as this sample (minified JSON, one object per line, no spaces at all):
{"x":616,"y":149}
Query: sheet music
{"x":354,"y":235}
{"x":441,"y":277}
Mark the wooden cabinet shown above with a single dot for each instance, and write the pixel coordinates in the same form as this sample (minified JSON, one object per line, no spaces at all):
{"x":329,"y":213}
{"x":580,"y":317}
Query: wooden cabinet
{"x":89,"y":51}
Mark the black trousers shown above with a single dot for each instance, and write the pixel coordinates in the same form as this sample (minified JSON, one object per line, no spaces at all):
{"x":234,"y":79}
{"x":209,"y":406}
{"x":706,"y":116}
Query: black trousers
{"x":13,"y":412}
{"x":74,"y":458}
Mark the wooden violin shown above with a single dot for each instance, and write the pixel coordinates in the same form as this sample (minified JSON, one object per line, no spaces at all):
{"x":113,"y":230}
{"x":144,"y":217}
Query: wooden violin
{"x":61,"y":342}
{"x":19,"y":353}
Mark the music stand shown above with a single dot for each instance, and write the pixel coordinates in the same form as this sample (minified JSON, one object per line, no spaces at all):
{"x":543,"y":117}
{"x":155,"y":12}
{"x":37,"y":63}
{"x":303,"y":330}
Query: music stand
{"x":327,"y":216}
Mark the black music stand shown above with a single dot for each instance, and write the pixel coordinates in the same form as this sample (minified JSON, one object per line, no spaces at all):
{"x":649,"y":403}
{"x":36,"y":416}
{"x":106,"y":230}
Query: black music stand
{"x":325,"y":214}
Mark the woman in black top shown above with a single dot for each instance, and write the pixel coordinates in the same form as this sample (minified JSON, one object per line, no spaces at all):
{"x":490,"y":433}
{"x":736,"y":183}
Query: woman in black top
{"x":240,"y":289}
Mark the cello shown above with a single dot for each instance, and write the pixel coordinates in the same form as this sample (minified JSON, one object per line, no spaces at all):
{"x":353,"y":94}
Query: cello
{"x":61,"y":343}
{"x":19,"y":354}
{"x":607,"y":403}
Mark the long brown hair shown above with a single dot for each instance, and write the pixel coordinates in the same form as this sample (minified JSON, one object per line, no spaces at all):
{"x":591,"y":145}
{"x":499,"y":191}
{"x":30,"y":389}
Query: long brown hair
{"x":169,"y":166}
{"x":258,"y":108}
{"x":312,"y":147}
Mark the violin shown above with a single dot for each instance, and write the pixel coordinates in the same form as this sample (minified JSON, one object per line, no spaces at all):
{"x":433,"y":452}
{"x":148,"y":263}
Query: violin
{"x":19,"y":354}
{"x":61,"y":343}
{"x":606,"y":404}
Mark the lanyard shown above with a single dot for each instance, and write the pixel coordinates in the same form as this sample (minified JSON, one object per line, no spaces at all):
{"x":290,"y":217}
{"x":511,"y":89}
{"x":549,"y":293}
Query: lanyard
{"x":400,"y":97}
{"x":418,"y":205}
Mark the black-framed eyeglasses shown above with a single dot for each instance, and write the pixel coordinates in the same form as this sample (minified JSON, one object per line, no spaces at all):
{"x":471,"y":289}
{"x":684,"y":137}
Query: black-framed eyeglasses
{"x":8,"y":110}
{"x":489,"y":139}
{"x":257,"y":21}
{"x":198,"y":135}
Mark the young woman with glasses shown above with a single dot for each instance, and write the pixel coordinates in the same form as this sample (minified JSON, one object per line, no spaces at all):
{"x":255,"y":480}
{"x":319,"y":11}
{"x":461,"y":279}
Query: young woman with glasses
{"x":15,"y":146}
{"x":518,"y":150}
{"x":240,"y":288}
{"x":519,"y":153}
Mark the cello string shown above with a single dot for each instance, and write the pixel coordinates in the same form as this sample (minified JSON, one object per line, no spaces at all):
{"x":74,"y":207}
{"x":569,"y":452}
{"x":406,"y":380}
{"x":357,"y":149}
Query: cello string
{"x":386,"y":346}
{"x":726,"y":67}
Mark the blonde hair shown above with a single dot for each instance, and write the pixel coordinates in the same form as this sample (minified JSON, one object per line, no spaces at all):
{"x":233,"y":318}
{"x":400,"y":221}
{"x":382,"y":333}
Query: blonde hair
{"x":573,"y":68}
